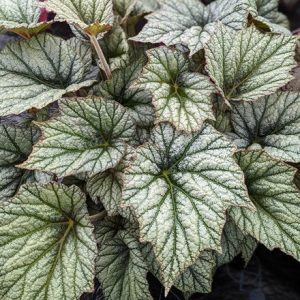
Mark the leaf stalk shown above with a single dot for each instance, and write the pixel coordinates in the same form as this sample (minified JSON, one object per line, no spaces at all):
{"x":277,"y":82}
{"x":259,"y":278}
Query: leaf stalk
{"x":99,"y":216}
{"x":101,"y":56}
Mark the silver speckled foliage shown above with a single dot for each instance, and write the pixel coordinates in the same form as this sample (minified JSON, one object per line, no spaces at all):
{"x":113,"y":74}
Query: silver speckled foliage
{"x":155,"y":137}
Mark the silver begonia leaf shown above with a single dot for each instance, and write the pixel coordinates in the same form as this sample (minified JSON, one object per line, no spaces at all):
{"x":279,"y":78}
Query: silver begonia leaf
{"x":15,"y":145}
{"x":270,"y":183}
{"x":235,"y":242}
{"x":266,"y":12}
{"x":179,"y":187}
{"x":91,"y":16}
{"x":271,"y":123}
{"x":248,"y":64}
{"x":21,"y":17}
{"x":135,"y":99}
{"x":47,"y":246}
{"x":36,"y":72}
{"x":190,"y":22}
{"x":89,"y":135}
{"x":181,"y":97}
{"x":121,"y":268}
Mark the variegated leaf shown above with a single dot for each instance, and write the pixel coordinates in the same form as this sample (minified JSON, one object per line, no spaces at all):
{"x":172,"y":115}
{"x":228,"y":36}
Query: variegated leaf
{"x":179,"y":96}
{"x":21,"y":17}
{"x":106,"y":187}
{"x":91,"y":16}
{"x":197,"y":278}
{"x":15,"y":146}
{"x":124,"y":7}
{"x":37,"y":72}
{"x":115,"y":47}
{"x":271,"y":123}
{"x":90,"y":135}
{"x":190,"y":22}
{"x":266,"y":12}
{"x":179,"y":187}
{"x":235,"y":242}
{"x":246,"y":65}
{"x":121,"y":268}
{"x":135,"y":99}
{"x":144,"y":7}
{"x":47,"y":246}
{"x":275,"y":223}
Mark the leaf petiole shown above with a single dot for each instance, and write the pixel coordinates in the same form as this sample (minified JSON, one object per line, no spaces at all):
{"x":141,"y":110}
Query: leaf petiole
{"x":101,"y":56}
{"x":99,"y":216}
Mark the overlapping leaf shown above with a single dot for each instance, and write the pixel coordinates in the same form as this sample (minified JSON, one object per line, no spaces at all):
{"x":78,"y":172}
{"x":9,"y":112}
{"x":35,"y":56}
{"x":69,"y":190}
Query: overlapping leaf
{"x":120,"y":266}
{"x":266,"y":12}
{"x":275,"y":223}
{"x":235,"y":242}
{"x":47,"y":247}
{"x":135,"y":99}
{"x":90,"y":135}
{"x":92,"y":16}
{"x":21,"y":17}
{"x":37,"y":72}
{"x":190,"y":22}
{"x":15,"y":145}
{"x":246,"y":65}
{"x":107,"y":188}
{"x":222,"y":115}
{"x":142,"y":7}
{"x":196,"y":278}
{"x":179,"y":96}
{"x":124,"y":7}
{"x":179,"y":187}
{"x":271,"y":123}
{"x":115,"y":47}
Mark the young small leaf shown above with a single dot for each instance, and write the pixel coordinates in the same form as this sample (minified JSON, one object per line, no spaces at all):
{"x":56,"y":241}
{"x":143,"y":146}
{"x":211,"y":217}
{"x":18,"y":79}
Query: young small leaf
{"x":90,"y":135}
{"x":47,"y":247}
{"x":21,"y":17}
{"x":190,"y":22}
{"x":271,"y":123}
{"x":124,"y":7}
{"x":44,"y":68}
{"x":15,"y":146}
{"x":179,"y":187}
{"x":144,"y":7}
{"x":135,"y":99}
{"x":275,"y":223}
{"x":92,"y":16}
{"x":179,"y":96}
{"x":115,"y":47}
{"x":247,"y":64}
